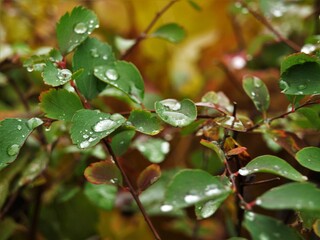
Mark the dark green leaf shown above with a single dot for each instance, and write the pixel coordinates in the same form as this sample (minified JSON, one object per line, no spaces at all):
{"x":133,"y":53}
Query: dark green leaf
{"x":178,"y":114}
{"x":121,"y":141}
{"x":298,"y":196}
{"x":13,"y":134}
{"x":148,"y":176}
{"x":274,"y":165}
{"x":154,"y":149}
{"x":73,"y":28}
{"x":55,"y":55}
{"x":263,"y":227}
{"x":145,"y":122}
{"x":90,"y":126}
{"x":208,"y":208}
{"x":54,"y":76}
{"x":89,"y":54}
{"x":103,"y":196}
{"x":300,"y":75}
{"x":258,"y":92}
{"x":60,"y":104}
{"x":123,"y":76}
{"x":103,"y":172}
{"x":171,"y":32}
{"x":189,"y":187}
{"x":215,"y":147}
{"x":309,"y":157}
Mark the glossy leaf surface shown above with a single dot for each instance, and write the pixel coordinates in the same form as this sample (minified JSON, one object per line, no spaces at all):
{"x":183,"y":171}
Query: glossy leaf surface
{"x":309,"y":157}
{"x":145,"y":122}
{"x":148,"y":176}
{"x":171,"y":32}
{"x":154,"y":149}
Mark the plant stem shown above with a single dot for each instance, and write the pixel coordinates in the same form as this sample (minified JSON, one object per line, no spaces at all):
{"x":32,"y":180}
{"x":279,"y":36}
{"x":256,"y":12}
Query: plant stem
{"x":132,"y":190}
{"x":268,"y":25}
{"x":143,"y":35}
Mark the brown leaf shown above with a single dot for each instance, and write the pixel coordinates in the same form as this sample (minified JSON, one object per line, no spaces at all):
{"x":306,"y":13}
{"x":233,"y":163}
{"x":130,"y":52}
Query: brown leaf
{"x":148,"y":176}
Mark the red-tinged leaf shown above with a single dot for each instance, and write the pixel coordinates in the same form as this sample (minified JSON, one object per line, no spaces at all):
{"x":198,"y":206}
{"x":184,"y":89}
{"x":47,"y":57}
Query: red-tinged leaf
{"x":104,"y":172}
{"x":236,"y":151}
{"x":148,"y":176}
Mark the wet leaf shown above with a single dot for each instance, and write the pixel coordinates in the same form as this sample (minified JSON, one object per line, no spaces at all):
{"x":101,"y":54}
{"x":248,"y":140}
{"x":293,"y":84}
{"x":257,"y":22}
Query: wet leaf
{"x":215,"y":147}
{"x":13,"y":134}
{"x":190,"y":186}
{"x":145,"y":122}
{"x":207,"y":209}
{"x":309,"y":157}
{"x":300,"y":74}
{"x":88,"y":55}
{"x":103,"y":172}
{"x":59,"y":104}
{"x":54,"y":76}
{"x":148,"y":176}
{"x":264,"y":227}
{"x":90,"y":126}
{"x":123,"y":76}
{"x":178,"y":114}
{"x":171,"y":32}
{"x":297,"y":196}
{"x":121,"y":141}
{"x":103,"y":196}
{"x":73,"y":28}
{"x":154,"y":149}
{"x":230,"y":122}
{"x":258,"y":92}
{"x":274,"y":165}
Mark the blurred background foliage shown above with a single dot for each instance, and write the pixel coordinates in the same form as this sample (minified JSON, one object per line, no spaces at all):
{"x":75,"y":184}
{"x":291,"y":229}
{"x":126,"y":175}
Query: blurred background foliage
{"x":224,"y":43}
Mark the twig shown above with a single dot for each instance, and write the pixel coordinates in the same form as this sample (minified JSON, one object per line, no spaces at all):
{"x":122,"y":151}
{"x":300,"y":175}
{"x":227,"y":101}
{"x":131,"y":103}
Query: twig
{"x":132,"y":190}
{"x":143,"y":35}
{"x":268,"y":25}
{"x":261,"y":182}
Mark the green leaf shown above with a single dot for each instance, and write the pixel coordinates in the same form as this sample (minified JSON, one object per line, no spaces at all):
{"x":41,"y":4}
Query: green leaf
{"x":194,"y":5}
{"x":13,"y":134}
{"x":54,"y":76}
{"x":189,"y":187}
{"x":55,"y":55}
{"x":230,"y":122}
{"x":90,"y":126}
{"x":300,"y":75}
{"x":73,"y":28}
{"x":308,"y":218}
{"x":103,"y":196}
{"x":208,"y":208}
{"x":171,"y":32}
{"x":154,"y":149}
{"x":309,"y":157}
{"x":215,"y":147}
{"x":103,"y":172}
{"x":258,"y":92}
{"x":297,"y":196}
{"x":264,"y":227}
{"x":60,"y":104}
{"x":89,"y":54}
{"x":178,"y":114}
{"x":145,"y":122}
{"x":123,"y":76}
{"x":148,"y":176}
{"x":121,"y":141}
{"x":274,"y":165}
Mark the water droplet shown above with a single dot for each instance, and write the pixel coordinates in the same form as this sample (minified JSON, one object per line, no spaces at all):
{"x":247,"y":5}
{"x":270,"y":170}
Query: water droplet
{"x":250,"y":216}
{"x":238,"y":62}
{"x":33,"y":123}
{"x":116,"y":117}
{"x":64,"y":75}
{"x":166,"y":208}
{"x":191,"y":198}
{"x":19,"y":127}
{"x":208,"y":209}
{"x":85,"y":136}
{"x":284,"y":86}
{"x":165,"y":147}
{"x":172,"y":104}
{"x":114,"y":180}
{"x":258,"y":201}
{"x":92,"y":139}
{"x":302,"y":86}
{"x":308,"y":48}
{"x":243,"y":171}
{"x":84,"y":144}
{"x":257,"y":82}
{"x":263,"y":236}
{"x":305,"y":178}
{"x":30,"y":69}
{"x":94,"y":53}
{"x":13,"y":150}
{"x":80,"y":28}
{"x":104,"y":125}
{"x":179,"y":118}
{"x":112,"y":74}
{"x":105,"y":57}
{"x":211,"y":190}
